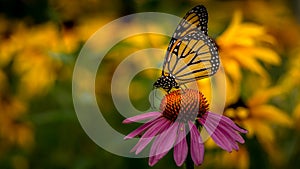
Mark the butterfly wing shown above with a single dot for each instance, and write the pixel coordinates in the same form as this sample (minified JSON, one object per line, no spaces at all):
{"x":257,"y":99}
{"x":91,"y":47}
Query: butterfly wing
{"x":195,"y":19}
{"x":193,"y":57}
{"x":191,"y":54}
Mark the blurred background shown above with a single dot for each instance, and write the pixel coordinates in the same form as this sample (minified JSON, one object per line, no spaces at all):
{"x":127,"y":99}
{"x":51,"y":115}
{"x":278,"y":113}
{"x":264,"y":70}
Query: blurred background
{"x":259,"y":43}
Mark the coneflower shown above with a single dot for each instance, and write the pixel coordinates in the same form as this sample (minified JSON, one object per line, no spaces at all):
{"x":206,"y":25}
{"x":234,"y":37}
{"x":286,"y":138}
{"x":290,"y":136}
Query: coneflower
{"x":182,"y":113}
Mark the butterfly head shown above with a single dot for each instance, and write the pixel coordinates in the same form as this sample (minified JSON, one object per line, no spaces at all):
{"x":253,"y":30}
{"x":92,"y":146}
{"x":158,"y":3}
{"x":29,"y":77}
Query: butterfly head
{"x":166,"y":82}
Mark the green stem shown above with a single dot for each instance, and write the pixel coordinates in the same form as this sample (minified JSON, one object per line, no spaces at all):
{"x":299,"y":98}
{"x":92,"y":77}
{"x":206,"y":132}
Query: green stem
{"x":189,"y":164}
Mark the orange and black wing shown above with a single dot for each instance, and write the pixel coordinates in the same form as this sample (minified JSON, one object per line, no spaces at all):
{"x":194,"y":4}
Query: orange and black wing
{"x":191,"y":54}
{"x":191,"y":58}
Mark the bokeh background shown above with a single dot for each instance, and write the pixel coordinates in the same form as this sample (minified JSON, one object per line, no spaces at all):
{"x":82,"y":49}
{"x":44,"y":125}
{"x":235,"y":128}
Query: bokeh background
{"x":259,"y":43}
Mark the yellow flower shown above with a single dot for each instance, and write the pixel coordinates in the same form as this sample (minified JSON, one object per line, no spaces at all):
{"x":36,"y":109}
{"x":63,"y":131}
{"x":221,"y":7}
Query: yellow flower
{"x":259,"y":118}
{"x":290,"y":84}
{"x":30,"y":50}
{"x":274,"y":15}
{"x":14,"y":130}
{"x":7,"y":48}
{"x":290,"y":80}
{"x":26,"y":56}
{"x":68,"y":10}
{"x":222,"y":159}
{"x":296,"y":116}
{"x":88,"y":26}
{"x":225,"y":160}
{"x":37,"y":72}
{"x":243,"y":45}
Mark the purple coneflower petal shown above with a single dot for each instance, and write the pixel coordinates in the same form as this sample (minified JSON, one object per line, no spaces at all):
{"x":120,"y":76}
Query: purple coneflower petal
{"x":229,"y":136}
{"x":141,"y":129}
{"x":157,"y":127}
{"x":153,"y":158}
{"x":144,"y":116}
{"x":181,"y":147}
{"x":228,"y":126}
{"x":231,"y":132}
{"x":163,"y":143}
{"x":222,"y":130}
{"x":231,"y":140}
{"x":215,"y":134}
{"x":197,"y":147}
{"x":228,"y":121}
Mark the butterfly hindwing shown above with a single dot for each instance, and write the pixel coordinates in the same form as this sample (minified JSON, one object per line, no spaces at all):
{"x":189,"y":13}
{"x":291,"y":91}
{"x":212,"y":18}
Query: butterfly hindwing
{"x":193,"y":57}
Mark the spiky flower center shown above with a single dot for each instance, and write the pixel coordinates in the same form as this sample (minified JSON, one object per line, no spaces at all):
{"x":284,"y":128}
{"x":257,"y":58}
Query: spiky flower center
{"x":184,"y":105}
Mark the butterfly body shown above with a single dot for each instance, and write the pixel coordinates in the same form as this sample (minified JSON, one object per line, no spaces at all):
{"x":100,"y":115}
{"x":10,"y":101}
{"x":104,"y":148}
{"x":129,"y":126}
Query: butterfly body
{"x":191,"y":54}
{"x":167,"y":82}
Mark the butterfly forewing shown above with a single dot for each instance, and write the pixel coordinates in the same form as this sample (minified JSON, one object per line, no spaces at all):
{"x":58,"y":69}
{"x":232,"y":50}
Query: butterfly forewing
{"x":194,"y":19}
{"x":191,"y":54}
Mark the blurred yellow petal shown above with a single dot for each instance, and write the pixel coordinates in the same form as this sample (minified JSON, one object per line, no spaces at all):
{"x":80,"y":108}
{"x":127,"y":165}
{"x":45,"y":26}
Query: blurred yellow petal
{"x":232,"y":91}
{"x":272,"y":114}
{"x":222,"y":159}
{"x":88,"y":26}
{"x":263,"y":96}
{"x":296,"y":116}
{"x":204,"y":85}
{"x":290,"y":80}
{"x":244,"y":41}
{"x":242,"y":113}
{"x":210,"y":144}
{"x":228,"y":34}
{"x":247,"y":44}
{"x":240,"y":158}
{"x":3,"y":81}
{"x":266,"y":55}
{"x":247,"y":61}
{"x":24,"y":135}
{"x":266,"y":138}
{"x":233,"y":80}
{"x":6,"y":52}
{"x":244,"y":159}
{"x":13,"y":130}
{"x":251,"y":29}
{"x":37,"y":73}
{"x":70,"y":41}
{"x":249,"y":125}
{"x":230,"y":112}
{"x":232,"y":69}
{"x":262,"y":130}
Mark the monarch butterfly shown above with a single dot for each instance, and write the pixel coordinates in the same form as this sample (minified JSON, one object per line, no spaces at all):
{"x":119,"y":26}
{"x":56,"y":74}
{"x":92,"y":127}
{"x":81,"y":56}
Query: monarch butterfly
{"x":191,"y":54}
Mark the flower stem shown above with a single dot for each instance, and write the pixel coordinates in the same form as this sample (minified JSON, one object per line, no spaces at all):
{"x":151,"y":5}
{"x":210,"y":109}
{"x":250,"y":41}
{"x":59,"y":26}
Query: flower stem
{"x":189,"y":164}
